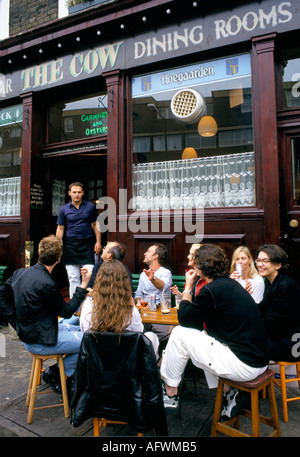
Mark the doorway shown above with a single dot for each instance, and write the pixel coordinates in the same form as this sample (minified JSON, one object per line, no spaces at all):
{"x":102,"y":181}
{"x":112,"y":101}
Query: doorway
{"x":91,"y":171}
{"x":290,"y":198}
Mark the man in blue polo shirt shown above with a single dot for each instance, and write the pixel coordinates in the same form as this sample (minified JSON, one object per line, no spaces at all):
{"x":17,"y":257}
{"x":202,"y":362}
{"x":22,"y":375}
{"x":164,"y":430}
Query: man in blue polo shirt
{"x":77,"y":221}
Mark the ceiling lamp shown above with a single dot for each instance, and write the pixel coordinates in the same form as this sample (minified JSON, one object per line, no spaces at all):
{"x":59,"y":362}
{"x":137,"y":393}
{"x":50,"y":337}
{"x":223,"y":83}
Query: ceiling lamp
{"x":207,"y":126}
{"x":189,"y":153}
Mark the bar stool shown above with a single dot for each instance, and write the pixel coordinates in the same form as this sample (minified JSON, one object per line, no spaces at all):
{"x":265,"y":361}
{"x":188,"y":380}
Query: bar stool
{"x":283,"y":381}
{"x":35,"y":379}
{"x":231,"y":427}
{"x":99,"y":422}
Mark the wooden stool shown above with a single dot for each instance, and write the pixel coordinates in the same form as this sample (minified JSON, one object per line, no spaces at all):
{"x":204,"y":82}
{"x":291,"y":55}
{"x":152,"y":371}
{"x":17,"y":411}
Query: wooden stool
{"x":253,"y":387}
{"x":282,"y":382}
{"x":99,"y":422}
{"x":34,"y":381}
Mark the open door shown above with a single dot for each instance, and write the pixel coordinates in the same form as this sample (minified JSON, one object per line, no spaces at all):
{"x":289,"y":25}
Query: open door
{"x":91,"y":171}
{"x":290,"y":198}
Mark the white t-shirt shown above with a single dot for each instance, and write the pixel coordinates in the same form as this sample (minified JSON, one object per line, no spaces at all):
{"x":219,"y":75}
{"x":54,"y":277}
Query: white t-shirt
{"x":258,"y":287}
{"x":145,"y":286}
{"x":135,"y":325}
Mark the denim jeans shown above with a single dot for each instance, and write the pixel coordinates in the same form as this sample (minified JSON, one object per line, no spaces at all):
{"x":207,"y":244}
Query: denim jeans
{"x":68,"y":342}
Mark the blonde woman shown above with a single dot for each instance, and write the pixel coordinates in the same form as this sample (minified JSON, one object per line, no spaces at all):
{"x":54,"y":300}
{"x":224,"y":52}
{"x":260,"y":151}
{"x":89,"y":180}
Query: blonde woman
{"x":248,"y":275}
{"x":191,"y":264}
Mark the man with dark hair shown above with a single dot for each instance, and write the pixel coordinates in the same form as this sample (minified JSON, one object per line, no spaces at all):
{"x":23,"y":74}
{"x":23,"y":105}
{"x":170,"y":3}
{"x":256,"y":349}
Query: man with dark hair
{"x":157,"y":278}
{"x":77,"y":221}
{"x":153,"y":281}
{"x":31,"y":302}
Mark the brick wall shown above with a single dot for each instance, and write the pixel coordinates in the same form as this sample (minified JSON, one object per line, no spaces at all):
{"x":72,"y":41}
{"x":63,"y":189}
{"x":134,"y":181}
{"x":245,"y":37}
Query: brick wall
{"x":27,"y":14}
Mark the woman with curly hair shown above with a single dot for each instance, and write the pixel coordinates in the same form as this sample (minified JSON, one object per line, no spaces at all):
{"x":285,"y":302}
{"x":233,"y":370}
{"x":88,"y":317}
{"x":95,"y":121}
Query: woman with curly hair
{"x":248,"y":277}
{"x":235,"y":343}
{"x":110,"y":306}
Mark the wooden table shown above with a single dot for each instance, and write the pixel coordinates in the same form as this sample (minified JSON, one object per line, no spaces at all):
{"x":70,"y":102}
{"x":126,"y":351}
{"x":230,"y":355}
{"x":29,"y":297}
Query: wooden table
{"x":156,"y":317}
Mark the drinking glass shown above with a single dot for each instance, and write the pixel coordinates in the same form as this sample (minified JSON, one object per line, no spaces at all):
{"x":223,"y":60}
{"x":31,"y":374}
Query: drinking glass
{"x":178,"y":299}
{"x":165,"y":303}
{"x":144,"y":304}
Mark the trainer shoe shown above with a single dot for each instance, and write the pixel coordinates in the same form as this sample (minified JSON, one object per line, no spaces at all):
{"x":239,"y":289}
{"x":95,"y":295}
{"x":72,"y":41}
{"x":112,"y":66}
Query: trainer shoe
{"x":171,"y":402}
{"x":234,"y":402}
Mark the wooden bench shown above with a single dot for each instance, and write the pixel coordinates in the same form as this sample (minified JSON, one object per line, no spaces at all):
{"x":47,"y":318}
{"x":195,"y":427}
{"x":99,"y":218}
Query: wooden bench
{"x":178,"y":280}
{"x":3,"y":272}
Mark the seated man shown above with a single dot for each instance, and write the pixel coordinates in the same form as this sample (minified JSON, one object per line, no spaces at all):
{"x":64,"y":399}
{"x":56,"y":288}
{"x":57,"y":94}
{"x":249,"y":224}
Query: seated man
{"x":235,"y":343}
{"x":153,"y":281}
{"x":114,"y":250}
{"x":32,"y":302}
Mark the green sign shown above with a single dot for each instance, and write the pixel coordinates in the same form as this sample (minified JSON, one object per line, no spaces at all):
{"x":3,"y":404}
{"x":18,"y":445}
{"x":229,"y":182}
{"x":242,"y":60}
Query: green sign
{"x":96,"y":124}
{"x":11,"y":115}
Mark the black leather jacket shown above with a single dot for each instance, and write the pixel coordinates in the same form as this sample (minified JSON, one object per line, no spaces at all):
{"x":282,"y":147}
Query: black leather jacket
{"x":117,"y":378}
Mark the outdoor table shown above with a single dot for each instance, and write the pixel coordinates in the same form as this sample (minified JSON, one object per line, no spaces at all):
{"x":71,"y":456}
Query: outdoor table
{"x":156,"y":317}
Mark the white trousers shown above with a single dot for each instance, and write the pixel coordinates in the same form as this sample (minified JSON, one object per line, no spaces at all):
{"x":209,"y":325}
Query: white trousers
{"x":74,"y":276}
{"x":155,"y":342}
{"x":215,"y":358}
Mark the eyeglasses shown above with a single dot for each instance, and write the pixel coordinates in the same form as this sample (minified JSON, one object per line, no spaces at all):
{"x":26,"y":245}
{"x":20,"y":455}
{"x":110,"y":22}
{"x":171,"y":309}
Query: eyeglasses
{"x":262,"y":261}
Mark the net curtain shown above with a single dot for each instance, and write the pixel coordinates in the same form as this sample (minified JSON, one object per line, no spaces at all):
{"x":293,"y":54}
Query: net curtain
{"x":10,"y":196}
{"x":218,"y":181}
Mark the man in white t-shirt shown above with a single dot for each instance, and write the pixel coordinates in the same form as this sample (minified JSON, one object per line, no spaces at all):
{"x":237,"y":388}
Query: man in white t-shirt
{"x":155,"y":280}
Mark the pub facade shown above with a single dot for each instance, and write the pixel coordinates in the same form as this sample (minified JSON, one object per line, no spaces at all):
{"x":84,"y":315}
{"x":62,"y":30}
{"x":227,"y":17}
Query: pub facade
{"x":183,"y":126}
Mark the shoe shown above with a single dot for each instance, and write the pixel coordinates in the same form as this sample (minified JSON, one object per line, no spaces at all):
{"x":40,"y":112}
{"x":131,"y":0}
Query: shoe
{"x":171,"y":402}
{"x":50,"y":377}
{"x":234,"y":401}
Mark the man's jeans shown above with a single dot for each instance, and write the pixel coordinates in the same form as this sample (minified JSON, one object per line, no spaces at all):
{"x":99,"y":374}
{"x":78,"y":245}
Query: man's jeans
{"x":68,"y":342}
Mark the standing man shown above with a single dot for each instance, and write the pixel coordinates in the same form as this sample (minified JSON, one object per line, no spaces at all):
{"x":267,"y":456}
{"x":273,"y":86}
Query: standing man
{"x":77,"y":221}
{"x":153,"y":281}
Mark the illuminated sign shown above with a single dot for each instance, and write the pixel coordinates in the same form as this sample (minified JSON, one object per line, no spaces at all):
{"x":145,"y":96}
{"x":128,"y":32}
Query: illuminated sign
{"x":97,"y":123}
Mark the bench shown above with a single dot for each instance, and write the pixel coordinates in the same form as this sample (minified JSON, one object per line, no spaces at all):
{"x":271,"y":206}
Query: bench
{"x":3,"y":273}
{"x":178,"y":280}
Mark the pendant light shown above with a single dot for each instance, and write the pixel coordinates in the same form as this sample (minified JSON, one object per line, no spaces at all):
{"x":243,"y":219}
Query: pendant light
{"x":207,"y":126}
{"x":189,"y":153}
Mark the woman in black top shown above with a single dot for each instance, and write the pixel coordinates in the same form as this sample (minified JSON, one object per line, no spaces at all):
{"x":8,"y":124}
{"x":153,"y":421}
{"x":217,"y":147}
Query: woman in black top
{"x":235,"y":342}
{"x":280,"y":307}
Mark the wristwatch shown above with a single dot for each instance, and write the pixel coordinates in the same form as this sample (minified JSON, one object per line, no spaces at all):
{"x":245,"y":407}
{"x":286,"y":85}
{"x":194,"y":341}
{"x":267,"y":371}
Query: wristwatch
{"x":153,"y":279}
{"x":188,"y":292}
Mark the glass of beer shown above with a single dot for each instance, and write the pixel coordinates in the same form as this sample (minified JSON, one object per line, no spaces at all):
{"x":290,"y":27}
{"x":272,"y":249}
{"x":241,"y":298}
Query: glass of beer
{"x":165,"y":303}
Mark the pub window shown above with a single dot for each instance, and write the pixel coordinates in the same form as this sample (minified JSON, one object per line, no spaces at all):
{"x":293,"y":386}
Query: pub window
{"x":76,"y":119}
{"x":291,"y":78}
{"x":176,"y":162}
{"x":10,"y":160}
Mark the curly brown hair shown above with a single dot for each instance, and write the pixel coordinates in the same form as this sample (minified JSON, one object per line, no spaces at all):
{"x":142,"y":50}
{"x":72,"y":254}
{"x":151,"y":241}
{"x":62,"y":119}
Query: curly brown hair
{"x":112,"y":309}
{"x":212,"y":261}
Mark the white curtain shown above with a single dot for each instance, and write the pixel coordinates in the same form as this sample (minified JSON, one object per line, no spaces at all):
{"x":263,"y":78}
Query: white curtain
{"x":10,"y":196}
{"x":58,"y":195}
{"x":217,"y":181}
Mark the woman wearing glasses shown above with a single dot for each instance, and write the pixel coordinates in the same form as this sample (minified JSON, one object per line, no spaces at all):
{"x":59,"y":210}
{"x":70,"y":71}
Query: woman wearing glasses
{"x":280,"y":307}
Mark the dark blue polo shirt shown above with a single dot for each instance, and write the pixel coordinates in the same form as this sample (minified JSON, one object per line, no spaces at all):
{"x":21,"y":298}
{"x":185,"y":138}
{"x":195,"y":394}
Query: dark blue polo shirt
{"x":77,"y":222}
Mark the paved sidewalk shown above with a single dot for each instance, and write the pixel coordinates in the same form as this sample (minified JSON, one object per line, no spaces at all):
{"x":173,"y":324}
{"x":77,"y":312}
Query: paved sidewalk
{"x":197,"y":407}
